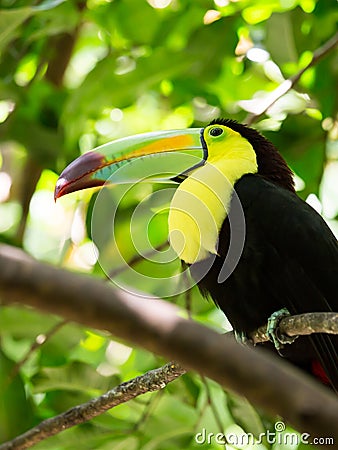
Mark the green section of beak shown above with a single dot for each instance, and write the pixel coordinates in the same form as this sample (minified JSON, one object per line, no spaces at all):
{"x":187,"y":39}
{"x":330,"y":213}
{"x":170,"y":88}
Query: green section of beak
{"x":157,"y":156}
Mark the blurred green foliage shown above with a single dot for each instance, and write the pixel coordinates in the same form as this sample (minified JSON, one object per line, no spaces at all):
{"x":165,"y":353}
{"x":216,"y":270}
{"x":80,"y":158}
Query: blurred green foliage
{"x":75,"y":74}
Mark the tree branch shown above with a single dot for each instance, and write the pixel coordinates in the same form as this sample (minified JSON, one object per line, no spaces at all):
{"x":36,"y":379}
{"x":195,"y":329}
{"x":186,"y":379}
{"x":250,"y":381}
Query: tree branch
{"x":151,"y":381}
{"x":154,"y":380}
{"x":288,"y":84}
{"x":301,"y":325}
{"x":265,"y":380}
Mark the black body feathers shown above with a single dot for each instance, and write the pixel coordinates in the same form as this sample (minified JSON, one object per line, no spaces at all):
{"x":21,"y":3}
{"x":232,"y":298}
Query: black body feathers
{"x":289,"y":259}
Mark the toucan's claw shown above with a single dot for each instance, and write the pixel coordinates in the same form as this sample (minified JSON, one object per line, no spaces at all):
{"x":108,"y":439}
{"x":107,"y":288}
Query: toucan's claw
{"x":242,"y":338}
{"x":272,"y":330}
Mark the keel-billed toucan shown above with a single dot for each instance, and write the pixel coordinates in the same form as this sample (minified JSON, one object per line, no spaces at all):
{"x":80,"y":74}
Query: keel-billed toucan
{"x":251,"y":243}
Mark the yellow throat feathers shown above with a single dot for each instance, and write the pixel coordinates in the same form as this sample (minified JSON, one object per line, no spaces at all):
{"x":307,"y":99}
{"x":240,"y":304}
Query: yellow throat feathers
{"x":200,"y":204}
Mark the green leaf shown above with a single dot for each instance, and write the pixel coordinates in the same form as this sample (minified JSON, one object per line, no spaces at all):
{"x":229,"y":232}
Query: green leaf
{"x":254,"y":14}
{"x":304,"y":152}
{"x":108,"y":86}
{"x":325,"y":84}
{"x":245,"y":415}
{"x":105,"y":87}
{"x":131,"y":12}
{"x":279,"y":29}
{"x":16,"y":412}
{"x":11,"y":19}
{"x":47,"y":4}
{"x":74,"y":376}
{"x":31,"y":322}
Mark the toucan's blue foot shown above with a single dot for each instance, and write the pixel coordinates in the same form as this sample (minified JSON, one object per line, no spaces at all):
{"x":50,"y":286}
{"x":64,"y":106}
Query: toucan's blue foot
{"x":278,"y":339}
{"x":242,"y":338}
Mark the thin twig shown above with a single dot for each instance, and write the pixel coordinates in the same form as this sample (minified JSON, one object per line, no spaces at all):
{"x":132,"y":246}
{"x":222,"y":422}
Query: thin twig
{"x":35,"y":345}
{"x":154,"y":380}
{"x":288,"y":84}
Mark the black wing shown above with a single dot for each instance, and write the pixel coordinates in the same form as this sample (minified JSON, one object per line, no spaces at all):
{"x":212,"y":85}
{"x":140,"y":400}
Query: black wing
{"x":303,"y":240}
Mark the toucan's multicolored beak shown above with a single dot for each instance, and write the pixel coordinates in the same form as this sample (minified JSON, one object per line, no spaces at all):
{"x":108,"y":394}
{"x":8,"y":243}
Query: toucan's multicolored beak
{"x":154,"y":156}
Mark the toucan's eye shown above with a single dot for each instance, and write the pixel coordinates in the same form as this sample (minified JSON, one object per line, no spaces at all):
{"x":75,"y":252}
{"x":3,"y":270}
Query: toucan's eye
{"x":216,"y":131}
